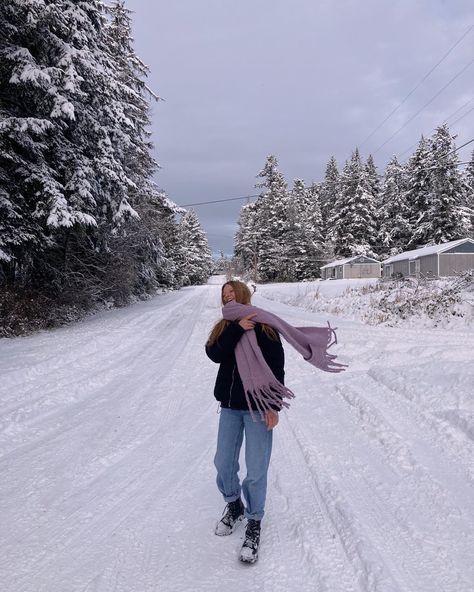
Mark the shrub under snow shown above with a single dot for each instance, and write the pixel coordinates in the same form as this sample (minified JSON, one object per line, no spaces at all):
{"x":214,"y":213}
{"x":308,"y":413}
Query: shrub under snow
{"x":442,"y":302}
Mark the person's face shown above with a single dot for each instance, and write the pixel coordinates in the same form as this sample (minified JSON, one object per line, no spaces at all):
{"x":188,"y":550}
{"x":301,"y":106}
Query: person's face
{"x":228,"y":293}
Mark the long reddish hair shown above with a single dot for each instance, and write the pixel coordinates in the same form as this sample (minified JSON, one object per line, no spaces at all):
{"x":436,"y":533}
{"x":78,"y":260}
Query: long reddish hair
{"x":242,"y":296}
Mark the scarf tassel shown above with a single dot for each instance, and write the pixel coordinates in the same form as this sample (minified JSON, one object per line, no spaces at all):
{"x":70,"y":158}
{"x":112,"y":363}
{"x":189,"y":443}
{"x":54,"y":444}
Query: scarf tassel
{"x":267,"y":397}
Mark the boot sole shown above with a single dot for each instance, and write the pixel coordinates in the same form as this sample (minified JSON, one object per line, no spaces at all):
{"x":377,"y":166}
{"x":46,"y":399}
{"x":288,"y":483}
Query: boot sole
{"x":250,"y":561}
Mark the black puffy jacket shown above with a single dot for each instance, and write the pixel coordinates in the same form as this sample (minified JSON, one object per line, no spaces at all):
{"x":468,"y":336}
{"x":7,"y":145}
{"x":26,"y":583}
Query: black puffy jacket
{"x":229,"y":390}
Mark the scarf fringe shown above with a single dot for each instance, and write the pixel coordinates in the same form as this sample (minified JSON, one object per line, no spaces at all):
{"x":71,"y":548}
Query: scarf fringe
{"x":268,"y":396}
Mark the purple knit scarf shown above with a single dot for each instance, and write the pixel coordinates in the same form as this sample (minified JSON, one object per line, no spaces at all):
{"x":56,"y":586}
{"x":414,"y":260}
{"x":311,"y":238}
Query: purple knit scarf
{"x":258,"y":380}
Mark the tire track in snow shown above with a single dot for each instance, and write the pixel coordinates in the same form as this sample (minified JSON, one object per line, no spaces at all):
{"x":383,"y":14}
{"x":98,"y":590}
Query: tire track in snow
{"x":126,"y":492}
{"x":368,"y":567}
{"x":49,"y":424}
{"x":102,"y":347}
{"x":302,"y":519}
{"x":461,"y":450}
{"x":406,"y":502}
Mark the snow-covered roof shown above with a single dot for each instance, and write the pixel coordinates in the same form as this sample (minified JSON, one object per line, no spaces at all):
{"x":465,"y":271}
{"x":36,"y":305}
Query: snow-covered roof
{"x":347,"y":260}
{"x":423,"y":251}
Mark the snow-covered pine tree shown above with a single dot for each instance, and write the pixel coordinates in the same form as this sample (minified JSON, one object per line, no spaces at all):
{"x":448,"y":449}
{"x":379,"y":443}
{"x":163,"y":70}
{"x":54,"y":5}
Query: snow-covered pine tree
{"x":328,"y":195}
{"x":295,"y":238}
{"x":272,"y":207}
{"x":196,"y":259}
{"x":372,"y":178}
{"x":394,"y":218}
{"x":132,"y":94}
{"x":35,"y":89}
{"x":304,"y":234}
{"x":75,"y":164}
{"x":247,"y":240}
{"x":468,"y":179}
{"x":61,"y":119}
{"x":373,"y":185}
{"x":149,"y":244}
{"x":353,"y":219}
{"x":442,"y":221}
{"x":157,"y":213}
{"x":445,"y":214}
{"x":418,"y":196}
{"x":314,"y":214}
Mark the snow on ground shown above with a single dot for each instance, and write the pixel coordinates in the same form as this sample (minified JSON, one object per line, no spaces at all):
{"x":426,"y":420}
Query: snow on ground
{"x":434,"y":303}
{"x":107,"y":436}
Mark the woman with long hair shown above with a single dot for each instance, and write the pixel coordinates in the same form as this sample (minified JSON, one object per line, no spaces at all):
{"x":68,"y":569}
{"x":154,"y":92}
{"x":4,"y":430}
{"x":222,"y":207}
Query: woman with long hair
{"x":251,"y":391}
{"x":236,"y":420}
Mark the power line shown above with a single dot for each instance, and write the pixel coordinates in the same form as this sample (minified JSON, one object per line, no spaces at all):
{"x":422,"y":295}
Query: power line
{"x":201,"y":203}
{"x":257,"y":195}
{"x":425,"y":105}
{"x":459,"y":109}
{"x":462,"y":116}
{"x":451,"y":124}
{"x":459,"y":147}
{"x":418,"y":85}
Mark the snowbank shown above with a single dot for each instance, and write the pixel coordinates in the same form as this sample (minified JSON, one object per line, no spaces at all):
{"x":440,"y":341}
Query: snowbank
{"x":436,"y":303}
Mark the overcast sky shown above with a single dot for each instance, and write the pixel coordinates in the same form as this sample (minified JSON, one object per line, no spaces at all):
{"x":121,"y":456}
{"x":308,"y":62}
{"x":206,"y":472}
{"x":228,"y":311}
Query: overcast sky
{"x":301,"y":79}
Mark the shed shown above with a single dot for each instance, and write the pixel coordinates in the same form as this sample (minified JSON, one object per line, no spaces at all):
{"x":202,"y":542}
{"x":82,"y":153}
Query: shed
{"x":443,"y":260}
{"x":359,"y":266}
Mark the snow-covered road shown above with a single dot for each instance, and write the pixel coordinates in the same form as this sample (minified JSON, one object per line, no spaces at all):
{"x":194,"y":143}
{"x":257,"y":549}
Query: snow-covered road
{"x":107,"y":435}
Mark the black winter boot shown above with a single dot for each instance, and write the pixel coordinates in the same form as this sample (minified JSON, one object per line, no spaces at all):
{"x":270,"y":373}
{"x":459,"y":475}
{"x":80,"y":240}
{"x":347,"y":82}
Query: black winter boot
{"x":233,"y":514}
{"x":249,"y":551}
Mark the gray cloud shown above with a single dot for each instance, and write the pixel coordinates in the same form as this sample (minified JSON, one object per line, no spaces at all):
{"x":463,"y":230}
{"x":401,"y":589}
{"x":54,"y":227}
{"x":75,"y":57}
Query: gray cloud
{"x":298,"y":78}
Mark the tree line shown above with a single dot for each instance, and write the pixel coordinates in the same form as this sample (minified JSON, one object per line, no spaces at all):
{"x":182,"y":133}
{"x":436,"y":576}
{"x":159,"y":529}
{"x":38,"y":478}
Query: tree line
{"x":81,"y":220}
{"x":287,"y":234}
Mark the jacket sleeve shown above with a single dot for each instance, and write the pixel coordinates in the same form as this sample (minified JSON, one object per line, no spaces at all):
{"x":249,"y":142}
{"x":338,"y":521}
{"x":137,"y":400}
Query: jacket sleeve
{"x":224,"y":346}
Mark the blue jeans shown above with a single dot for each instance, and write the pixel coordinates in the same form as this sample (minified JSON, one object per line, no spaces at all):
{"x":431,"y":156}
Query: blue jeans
{"x":233,"y":423}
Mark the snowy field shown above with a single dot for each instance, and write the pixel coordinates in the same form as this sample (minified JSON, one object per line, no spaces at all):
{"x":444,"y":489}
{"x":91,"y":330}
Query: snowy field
{"x":107,"y":438}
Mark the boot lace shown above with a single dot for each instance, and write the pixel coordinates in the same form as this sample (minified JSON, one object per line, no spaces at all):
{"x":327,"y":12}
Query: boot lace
{"x":252,"y":534}
{"x":232,"y":512}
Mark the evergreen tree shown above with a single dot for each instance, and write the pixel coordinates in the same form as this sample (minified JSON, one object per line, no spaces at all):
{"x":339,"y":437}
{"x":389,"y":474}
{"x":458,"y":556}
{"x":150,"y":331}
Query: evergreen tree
{"x":445,"y":215}
{"x":295,"y":237}
{"x":77,"y":205}
{"x":304,"y":240}
{"x":468,"y":197}
{"x":442,"y":219}
{"x":373,"y":188}
{"x":134,"y":148}
{"x":469,"y":178}
{"x":394,"y":230}
{"x":353,"y":220}
{"x":196,"y":259}
{"x":247,"y":239}
{"x":62,"y":128}
{"x":372,"y":179}
{"x":328,"y":196}
{"x":418,"y":196}
{"x":152,"y":241}
{"x":272,"y":206}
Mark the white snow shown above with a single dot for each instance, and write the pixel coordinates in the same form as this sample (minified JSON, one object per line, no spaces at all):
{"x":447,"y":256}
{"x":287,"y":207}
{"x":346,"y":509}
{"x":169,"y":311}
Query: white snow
{"x":413,"y":303}
{"x":107,"y":436}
